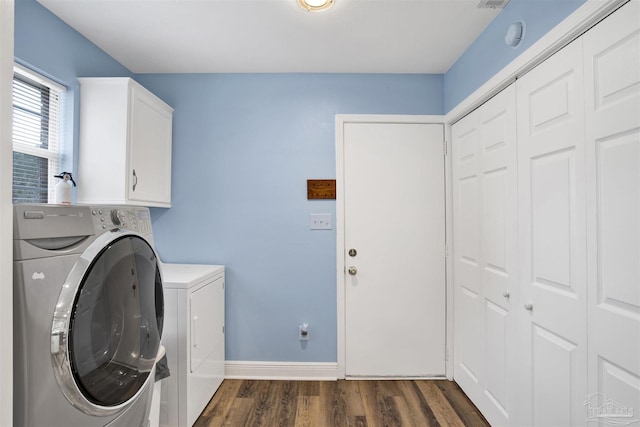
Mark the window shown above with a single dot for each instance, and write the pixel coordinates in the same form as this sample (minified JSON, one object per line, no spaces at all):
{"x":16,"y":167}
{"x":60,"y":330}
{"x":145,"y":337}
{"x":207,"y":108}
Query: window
{"x":36,"y":135}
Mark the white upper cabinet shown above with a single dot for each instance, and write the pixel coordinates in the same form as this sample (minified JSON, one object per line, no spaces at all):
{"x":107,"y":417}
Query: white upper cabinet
{"x":125,"y":144}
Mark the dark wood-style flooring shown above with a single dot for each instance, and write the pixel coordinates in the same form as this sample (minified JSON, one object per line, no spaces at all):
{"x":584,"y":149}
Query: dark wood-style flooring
{"x":419,"y":403}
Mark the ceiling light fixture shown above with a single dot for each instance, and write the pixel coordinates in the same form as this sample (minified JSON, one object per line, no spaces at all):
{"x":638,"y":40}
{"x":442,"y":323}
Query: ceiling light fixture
{"x":315,"y":5}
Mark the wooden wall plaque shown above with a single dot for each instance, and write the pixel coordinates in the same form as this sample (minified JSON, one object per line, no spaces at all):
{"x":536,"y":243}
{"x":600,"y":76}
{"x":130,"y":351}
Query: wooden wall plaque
{"x":321,"y":189}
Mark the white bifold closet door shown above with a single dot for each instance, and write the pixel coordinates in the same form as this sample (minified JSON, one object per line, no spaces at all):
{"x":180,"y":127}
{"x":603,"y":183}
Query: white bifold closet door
{"x":572,"y":316}
{"x":612,"y":100}
{"x":485,"y":256}
{"x":553,"y":241}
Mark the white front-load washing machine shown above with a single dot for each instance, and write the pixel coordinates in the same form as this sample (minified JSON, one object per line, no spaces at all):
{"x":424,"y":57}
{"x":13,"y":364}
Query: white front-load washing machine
{"x":88,"y":314}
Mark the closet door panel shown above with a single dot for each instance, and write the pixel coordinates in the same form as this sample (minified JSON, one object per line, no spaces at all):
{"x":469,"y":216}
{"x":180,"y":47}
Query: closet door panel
{"x":499,"y":253}
{"x":467,"y":179}
{"x":469,"y":352}
{"x":468,"y":331}
{"x":468,"y":255}
{"x":495,"y":190}
{"x":552,"y":240}
{"x":555,"y":358}
{"x":498,"y":341}
{"x":612,"y":82}
{"x":553,"y":204}
{"x":485,"y":255}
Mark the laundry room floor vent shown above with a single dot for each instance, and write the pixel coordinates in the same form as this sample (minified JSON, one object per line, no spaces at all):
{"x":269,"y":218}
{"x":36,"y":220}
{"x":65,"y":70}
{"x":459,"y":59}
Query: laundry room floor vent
{"x":492,"y":4}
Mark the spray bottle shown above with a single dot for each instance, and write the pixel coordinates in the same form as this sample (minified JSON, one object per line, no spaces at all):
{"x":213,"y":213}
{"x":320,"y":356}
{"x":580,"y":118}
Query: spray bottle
{"x":63,"y":188}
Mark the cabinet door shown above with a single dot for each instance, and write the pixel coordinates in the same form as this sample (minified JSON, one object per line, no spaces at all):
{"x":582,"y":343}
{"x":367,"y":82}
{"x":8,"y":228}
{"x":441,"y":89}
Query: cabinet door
{"x":552,"y":237}
{"x":150,"y":126}
{"x":612,"y":83}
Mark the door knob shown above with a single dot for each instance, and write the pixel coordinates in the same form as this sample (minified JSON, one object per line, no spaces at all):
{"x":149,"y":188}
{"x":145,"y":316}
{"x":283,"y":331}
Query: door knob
{"x":353,"y":271}
{"x":528,"y":307}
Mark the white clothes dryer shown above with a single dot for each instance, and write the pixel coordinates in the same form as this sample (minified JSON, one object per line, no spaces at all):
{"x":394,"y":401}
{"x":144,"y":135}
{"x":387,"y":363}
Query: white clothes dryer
{"x":88,"y":315}
{"x":194,"y":339}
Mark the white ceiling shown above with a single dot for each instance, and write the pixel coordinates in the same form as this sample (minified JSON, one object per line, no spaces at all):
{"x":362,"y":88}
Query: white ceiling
{"x":256,"y":36}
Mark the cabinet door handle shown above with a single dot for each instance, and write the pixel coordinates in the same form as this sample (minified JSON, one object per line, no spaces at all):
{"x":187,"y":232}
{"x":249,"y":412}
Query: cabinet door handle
{"x":135,"y":183}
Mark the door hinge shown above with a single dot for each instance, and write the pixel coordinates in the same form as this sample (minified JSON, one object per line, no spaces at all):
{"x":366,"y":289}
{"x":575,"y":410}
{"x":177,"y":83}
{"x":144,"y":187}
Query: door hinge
{"x":444,"y":147}
{"x":223,"y":329}
{"x":446,"y":354}
{"x":446,"y":251}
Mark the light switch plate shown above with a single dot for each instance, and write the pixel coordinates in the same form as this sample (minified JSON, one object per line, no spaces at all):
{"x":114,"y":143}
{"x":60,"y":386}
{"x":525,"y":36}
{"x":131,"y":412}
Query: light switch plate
{"x":320,"y":222}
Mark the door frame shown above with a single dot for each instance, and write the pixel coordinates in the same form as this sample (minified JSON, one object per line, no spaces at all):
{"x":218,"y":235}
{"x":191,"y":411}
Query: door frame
{"x":6,"y":212}
{"x":341,"y":120}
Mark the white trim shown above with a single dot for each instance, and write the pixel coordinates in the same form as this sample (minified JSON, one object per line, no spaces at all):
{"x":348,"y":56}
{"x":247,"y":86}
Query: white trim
{"x":585,"y":17}
{"x":38,"y":78}
{"x":340,"y":265}
{"x":341,"y":119}
{"x":6,"y":213}
{"x":293,"y":371}
{"x":388,"y":118}
{"x":430,"y":378}
{"x":448,"y":180}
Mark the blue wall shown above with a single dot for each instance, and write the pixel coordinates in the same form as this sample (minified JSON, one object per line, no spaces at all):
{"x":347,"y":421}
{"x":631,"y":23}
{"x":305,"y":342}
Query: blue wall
{"x":46,"y":44}
{"x":489,"y":53}
{"x":244,"y":146}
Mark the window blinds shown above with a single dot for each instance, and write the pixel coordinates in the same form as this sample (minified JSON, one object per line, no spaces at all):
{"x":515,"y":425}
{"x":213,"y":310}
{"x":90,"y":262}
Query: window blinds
{"x":36,"y":135}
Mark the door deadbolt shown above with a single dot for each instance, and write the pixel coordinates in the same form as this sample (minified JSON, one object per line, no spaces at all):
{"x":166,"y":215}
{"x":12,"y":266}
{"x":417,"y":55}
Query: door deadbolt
{"x":353,"y":252}
{"x":353,"y":271}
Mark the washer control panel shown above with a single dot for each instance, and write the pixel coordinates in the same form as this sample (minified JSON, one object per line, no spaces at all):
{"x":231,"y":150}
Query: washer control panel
{"x":137,"y":219}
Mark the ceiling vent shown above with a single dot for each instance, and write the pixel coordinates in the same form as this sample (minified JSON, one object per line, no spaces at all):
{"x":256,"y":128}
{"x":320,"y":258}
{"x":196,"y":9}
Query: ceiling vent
{"x":492,"y":4}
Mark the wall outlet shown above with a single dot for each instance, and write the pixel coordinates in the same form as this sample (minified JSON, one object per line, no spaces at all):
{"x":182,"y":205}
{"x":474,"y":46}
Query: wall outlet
{"x":303,"y":333}
{"x":320,"y":222}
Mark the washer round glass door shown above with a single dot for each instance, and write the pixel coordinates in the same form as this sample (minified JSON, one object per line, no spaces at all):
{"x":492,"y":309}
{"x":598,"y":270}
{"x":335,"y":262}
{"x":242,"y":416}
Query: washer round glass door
{"x":108,"y":322}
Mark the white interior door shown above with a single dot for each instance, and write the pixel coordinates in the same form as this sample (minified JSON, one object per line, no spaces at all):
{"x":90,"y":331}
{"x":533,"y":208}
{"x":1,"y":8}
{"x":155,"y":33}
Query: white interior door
{"x":552,"y":240}
{"x":486,"y":255}
{"x":394,"y":219}
{"x":612,"y":82}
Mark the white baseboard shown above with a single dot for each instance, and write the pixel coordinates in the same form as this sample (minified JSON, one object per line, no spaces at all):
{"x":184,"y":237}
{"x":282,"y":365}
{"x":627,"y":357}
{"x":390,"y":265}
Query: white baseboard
{"x":300,"y":371}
